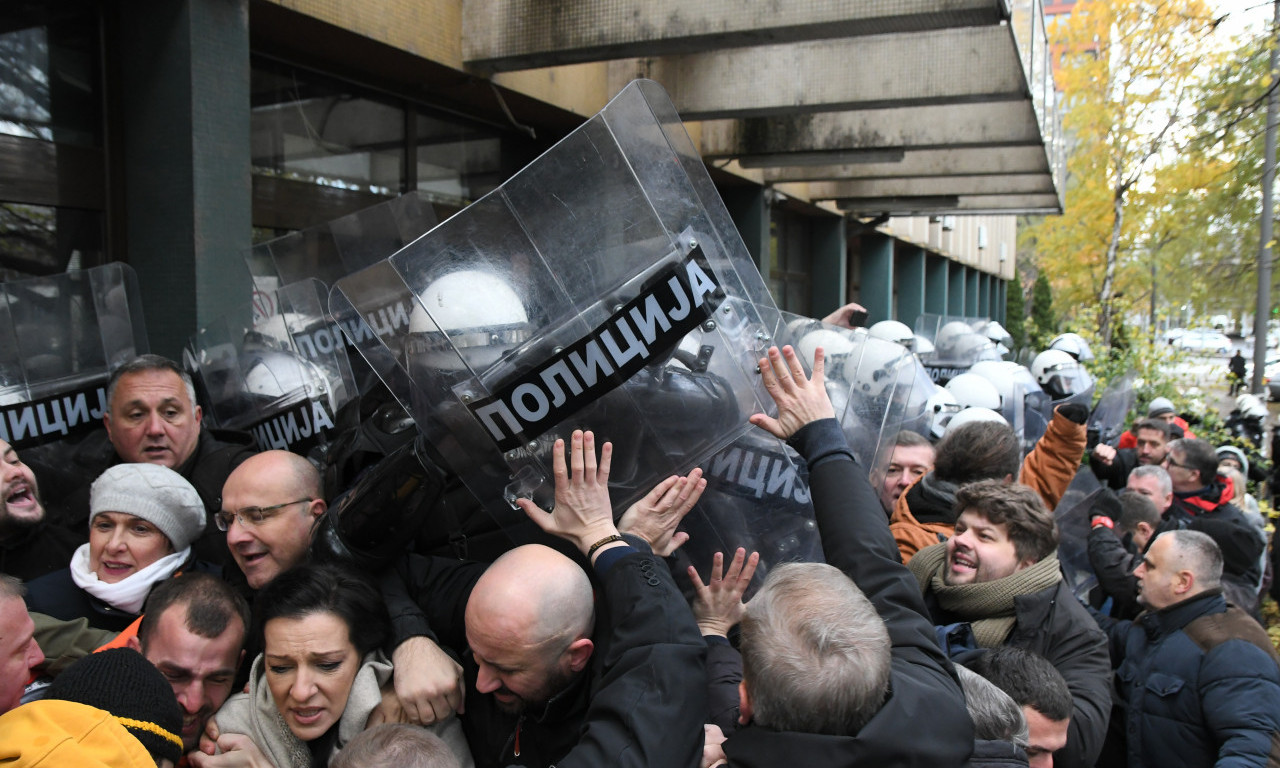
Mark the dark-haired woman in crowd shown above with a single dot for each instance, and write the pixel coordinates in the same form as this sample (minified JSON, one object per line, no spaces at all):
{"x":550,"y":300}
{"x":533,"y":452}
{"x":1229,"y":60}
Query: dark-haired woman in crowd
{"x":320,"y":674}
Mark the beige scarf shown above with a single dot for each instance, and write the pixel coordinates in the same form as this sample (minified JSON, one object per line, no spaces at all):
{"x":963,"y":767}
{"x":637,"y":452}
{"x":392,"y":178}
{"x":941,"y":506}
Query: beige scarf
{"x":988,"y":606}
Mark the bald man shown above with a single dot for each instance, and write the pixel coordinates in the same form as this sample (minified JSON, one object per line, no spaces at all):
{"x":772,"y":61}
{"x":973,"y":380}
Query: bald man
{"x":552,"y":675}
{"x":270,"y":506}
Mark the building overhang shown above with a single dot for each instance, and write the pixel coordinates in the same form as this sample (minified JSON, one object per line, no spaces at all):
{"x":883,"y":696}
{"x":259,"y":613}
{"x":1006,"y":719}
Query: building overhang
{"x":902,"y":106}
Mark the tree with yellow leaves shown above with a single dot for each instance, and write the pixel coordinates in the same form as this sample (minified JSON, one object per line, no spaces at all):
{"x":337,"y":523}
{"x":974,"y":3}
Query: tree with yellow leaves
{"x":1128,"y":76}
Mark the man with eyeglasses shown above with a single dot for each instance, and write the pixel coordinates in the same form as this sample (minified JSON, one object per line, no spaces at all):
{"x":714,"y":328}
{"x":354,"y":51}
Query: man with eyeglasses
{"x":1202,"y":502}
{"x":270,"y":506}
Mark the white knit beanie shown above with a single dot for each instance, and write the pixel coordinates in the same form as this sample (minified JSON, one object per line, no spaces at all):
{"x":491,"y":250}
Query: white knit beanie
{"x":154,"y":493}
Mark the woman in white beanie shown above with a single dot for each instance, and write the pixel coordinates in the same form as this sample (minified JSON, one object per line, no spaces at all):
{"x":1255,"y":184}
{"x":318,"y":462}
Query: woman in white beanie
{"x":142,"y":521}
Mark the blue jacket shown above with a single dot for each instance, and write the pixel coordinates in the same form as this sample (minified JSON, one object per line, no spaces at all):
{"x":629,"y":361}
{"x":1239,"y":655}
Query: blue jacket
{"x":1199,"y":682}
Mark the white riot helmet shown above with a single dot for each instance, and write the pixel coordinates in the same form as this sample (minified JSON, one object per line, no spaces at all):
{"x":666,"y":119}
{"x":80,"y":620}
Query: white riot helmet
{"x":1060,"y":374}
{"x":973,"y":391}
{"x":948,"y":338}
{"x":274,"y":376}
{"x":970,"y":415}
{"x":922,"y":346}
{"x":1073,"y":344}
{"x":875,"y":371}
{"x":835,"y":344}
{"x":941,"y":407}
{"x":475,"y":312}
{"x":997,"y":334}
{"x":892,"y":330}
{"x":1251,"y":407}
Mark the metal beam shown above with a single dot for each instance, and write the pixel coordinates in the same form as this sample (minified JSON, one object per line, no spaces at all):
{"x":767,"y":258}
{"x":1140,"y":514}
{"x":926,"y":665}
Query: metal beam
{"x":1027,"y":183}
{"x":968,"y":204}
{"x":504,"y":35}
{"x":927,"y":163}
{"x":949,"y":126}
{"x":951,"y":66}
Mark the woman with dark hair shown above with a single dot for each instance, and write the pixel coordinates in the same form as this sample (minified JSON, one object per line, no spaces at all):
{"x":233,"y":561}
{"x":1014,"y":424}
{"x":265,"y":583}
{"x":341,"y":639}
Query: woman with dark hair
{"x":321,"y":671}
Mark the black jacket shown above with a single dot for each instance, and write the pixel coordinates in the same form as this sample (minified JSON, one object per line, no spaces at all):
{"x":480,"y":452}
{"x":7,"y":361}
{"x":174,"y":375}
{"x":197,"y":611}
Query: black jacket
{"x":642,"y":701}
{"x":1113,"y":561}
{"x":924,"y":721}
{"x":217,"y":453}
{"x":1115,"y":474}
{"x":57,"y":595}
{"x":43,"y":549}
{"x":1055,"y":625}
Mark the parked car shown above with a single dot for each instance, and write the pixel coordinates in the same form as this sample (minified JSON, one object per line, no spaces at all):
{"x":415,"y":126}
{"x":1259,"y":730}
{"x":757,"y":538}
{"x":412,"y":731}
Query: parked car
{"x":1204,"y":341}
{"x":1271,"y":378}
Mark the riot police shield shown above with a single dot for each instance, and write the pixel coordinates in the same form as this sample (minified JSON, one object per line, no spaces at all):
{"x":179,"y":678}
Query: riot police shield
{"x":337,"y":248}
{"x":276,"y":367}
{"x":1107,"y":421}
{"x":871,"y":382}
{"x":602,"y":287}
{"x":1072,"y":515}
{"x":956,"y":345}
{"x":1023,"y":403}
{"x":60,"y":338}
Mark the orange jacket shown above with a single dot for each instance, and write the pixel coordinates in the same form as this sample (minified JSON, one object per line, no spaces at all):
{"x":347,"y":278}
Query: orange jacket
{"x":1047,"y":470}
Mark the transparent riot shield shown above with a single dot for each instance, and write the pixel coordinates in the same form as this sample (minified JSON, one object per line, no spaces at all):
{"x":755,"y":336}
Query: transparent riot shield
{"x":602,"y":287}
{"x":1072,"y":515}
{"x":1107,"y":421}
{"x":870,"y":381}
{"x":956,"y":345}
{"x":60,"y":338}
{"x":335,"y":249}
{"x":1023,"y":403}
{"x":281,"y":377}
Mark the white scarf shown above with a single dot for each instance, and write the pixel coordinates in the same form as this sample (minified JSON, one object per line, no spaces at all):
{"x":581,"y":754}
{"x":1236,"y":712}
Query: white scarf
{"x":129,"y":594}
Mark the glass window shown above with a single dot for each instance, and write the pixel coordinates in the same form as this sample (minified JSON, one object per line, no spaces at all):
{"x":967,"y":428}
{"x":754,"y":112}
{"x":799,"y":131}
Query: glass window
{"x":49,"y":79}
{"x":52,"y":188}
{"x":42,"y":240}
{"x":456,"y":163}
{"x":790,"y":262}
{"x":309,"y":129}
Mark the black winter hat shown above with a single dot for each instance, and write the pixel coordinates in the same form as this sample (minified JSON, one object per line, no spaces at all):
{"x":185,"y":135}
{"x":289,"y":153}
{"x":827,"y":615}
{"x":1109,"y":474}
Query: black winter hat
{"x":122,"y":682}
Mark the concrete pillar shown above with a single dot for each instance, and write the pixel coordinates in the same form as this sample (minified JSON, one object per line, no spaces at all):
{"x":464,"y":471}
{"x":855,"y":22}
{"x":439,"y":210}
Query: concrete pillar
{"x":1002,"y":301}
{"x":750,"y":213}
{"x":877,"y":277}
{"x":971,"y":292}
{"x":184,"y":112}
{"x":956,"y":288}
{"x":984,"y":294}
{"x":936,"y":273}
{"x":909,"y":269}
{"x":829,"y":267}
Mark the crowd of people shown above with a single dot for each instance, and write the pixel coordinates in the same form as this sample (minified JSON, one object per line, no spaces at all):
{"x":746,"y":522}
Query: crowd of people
{"x":176,"y":610}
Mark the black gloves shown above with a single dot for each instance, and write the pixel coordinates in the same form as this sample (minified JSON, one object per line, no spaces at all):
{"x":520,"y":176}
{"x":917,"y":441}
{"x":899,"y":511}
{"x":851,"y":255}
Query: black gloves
{"x":1077,"y":412}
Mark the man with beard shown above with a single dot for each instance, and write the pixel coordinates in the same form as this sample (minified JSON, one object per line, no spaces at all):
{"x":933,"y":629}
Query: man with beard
{"x":997,"y":582}
{"x":28,"y":546}
{"x":1113,"y":466}
{"x":557,"y":675}
{"x":193,"y":631}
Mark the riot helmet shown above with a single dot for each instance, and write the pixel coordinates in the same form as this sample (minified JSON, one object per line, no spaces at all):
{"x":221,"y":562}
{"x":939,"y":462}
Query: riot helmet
{"x":892,"y":330}
{"x":973,"y":391}
{"x":1073,"y":344}
{"x":941,"y":407}
{"x":1060,"y":374}
{"x":475,"y":312}
{"x":970,"y":415}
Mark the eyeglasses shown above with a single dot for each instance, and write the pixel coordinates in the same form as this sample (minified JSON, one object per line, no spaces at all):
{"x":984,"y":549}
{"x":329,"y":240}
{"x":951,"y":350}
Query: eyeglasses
{"x":252,"y":516}
{"x":1170,"y":462}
